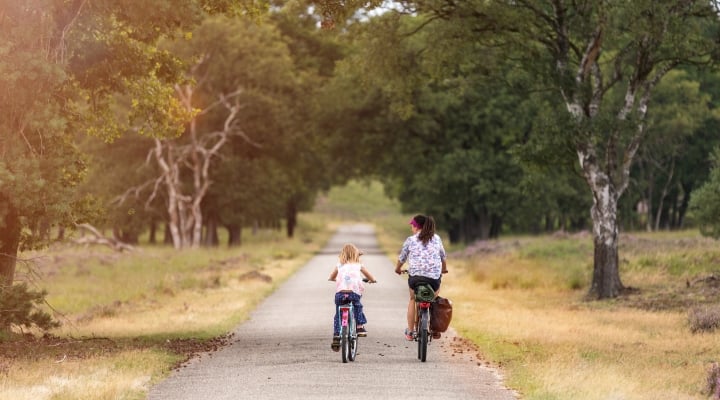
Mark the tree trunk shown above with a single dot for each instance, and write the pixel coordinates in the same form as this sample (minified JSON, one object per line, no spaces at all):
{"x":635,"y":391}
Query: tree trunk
{"x":496,"y":227}
{"x":152,"y":239}
{"x":606,"y":277}
{"x":454,"y":233}
{"x":9,"y":242}
{"x":211,"y":234}
{"x":606,"y":274}
{"x":291,"y":215}
{"x":663,"y":194}
{"x":234,"y":235}
{"x":682,"y":209}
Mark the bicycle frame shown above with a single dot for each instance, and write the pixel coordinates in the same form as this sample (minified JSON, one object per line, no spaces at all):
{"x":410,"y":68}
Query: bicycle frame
{"x":348,"y":332}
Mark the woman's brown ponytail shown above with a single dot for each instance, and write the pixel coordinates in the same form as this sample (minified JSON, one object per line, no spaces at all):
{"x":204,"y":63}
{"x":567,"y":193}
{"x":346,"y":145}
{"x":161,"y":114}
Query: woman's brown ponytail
{"x":428,"y":227}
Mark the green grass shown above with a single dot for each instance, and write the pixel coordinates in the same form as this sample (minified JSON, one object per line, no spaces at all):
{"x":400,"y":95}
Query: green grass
{"x":357,"y":201}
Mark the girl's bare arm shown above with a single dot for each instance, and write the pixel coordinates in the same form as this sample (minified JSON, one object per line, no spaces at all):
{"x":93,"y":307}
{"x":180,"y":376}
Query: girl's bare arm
{"x":367,"y":274}
{"x":333,"y":274}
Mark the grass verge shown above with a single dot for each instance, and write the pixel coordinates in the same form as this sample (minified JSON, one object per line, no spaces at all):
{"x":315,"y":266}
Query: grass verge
{"x":129,"y":318}
{"x":522,"y":301}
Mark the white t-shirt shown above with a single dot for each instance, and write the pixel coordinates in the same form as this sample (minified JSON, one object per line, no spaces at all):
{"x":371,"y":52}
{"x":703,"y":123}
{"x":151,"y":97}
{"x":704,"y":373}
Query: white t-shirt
{"x":349,"y":277}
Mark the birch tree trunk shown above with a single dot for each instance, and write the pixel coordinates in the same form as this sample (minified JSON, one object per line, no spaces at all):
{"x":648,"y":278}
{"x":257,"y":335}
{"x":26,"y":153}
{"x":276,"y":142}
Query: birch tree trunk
{"x":606,"y":281}
{"x":185,"y":219}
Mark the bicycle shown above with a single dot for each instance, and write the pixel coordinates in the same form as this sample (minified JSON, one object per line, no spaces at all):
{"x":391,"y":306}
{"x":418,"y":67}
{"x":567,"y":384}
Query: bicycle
{"x":423,"y":333}
{"x":348,"y":330}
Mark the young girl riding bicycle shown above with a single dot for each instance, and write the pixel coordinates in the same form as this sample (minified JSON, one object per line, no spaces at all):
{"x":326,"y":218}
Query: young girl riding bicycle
{"x":349,"y":287}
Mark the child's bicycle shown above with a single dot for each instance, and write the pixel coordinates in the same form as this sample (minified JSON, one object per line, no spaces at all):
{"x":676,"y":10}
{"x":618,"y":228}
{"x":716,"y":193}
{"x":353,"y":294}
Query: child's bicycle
{"x":348,"y":331}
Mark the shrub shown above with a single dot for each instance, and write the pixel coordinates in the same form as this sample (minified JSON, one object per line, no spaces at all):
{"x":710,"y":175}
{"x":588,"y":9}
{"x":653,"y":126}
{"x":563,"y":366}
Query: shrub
{"x":19,"y":306}
{"x":704,"y":319}
{"x":712,"y":387}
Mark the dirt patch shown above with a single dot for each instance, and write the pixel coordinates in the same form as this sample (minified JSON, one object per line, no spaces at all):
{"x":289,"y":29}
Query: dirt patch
{"x":32,"y":348}
{"x":699,"y":290}
{"x":255,"y":275}
{"x":484,"y":247}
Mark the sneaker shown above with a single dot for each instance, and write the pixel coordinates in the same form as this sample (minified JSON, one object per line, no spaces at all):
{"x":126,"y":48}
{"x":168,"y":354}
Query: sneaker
{"x":361,"y":332}
{"x":436,"y":335}
{"x":335,"y":346}
{"x":409,"y":335}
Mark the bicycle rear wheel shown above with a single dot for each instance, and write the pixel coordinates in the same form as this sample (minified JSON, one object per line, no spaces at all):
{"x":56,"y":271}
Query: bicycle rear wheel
{"x":423,"y":335}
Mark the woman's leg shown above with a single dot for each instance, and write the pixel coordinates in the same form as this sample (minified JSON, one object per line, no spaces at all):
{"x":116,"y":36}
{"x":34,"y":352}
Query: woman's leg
{"x":411,"y":311}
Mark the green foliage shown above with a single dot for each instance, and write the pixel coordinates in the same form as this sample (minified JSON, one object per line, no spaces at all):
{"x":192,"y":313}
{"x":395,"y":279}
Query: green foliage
{"x":449,"y":133}
{"x":65,"y":69}
{"x":705,"y":203}
{"x":334,"y":12}
{"x":19,"y":306}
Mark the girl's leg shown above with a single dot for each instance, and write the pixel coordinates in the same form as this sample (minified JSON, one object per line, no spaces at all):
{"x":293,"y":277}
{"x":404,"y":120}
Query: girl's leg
{"x":336,"y":320}
{"x":359,"y":314}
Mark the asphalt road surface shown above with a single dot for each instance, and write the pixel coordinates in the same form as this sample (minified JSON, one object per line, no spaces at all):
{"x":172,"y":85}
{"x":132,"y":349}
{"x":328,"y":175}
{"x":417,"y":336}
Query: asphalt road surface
{"x":283,"y":350}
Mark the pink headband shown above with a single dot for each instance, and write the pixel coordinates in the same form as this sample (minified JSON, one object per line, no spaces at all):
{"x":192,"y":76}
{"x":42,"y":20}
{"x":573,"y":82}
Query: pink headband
{"x":415,"y":224}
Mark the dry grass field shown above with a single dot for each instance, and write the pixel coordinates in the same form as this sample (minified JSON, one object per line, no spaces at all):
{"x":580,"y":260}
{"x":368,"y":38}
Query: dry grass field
{"x":129,"y":318}
{"x":522,"y":301}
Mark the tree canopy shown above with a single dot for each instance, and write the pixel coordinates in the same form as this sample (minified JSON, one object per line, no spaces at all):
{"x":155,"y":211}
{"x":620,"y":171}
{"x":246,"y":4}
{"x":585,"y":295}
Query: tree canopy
{"x":494,"y":117}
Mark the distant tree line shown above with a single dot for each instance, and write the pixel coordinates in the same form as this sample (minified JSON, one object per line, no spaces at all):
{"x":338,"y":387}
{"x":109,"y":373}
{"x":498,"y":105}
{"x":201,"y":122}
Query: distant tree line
{"x":192,"y":116}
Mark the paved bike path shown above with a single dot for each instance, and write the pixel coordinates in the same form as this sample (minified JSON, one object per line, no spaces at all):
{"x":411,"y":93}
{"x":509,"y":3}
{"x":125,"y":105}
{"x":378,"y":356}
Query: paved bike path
{"x":283,"y":349}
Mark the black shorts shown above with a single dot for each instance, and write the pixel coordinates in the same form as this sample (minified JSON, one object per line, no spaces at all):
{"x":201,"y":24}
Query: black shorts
{"x":413,"y":281}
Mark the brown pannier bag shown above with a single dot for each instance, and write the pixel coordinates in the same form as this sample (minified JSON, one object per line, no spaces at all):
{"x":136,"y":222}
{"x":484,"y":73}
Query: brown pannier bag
{"x":440,"y":314}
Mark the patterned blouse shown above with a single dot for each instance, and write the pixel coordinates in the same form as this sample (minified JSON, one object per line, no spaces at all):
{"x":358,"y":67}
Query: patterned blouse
{"x":349,"y":277}
{"x":423,"y":260}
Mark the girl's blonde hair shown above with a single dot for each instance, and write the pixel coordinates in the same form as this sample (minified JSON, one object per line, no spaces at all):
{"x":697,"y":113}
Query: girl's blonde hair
{"x":349,"y":254}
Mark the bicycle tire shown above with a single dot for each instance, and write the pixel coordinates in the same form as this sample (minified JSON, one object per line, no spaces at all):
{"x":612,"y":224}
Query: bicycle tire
{"x":423,"y":336}
{"x":345,"y":343}
{"x":352,"y":336}
{"x":353,"y":347}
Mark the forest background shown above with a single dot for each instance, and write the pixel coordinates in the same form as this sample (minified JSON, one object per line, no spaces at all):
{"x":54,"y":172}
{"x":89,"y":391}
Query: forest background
{"x":191,"y":121}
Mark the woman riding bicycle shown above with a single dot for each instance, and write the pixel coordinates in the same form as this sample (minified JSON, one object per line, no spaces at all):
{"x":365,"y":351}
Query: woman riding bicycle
{"x":426,"y":256}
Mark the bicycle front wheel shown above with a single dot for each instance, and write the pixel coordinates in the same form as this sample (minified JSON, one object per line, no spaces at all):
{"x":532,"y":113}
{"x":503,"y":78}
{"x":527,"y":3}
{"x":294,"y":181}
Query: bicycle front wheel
{"x":353,"y":347}
{"x":345,"y":343}
{"x":423,"y":336}
{"x":353,"y":338}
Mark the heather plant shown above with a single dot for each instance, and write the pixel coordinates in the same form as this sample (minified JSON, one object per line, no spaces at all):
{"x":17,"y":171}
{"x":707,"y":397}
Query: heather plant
{"x":712,"y":387}
{"x":704,"y":319}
